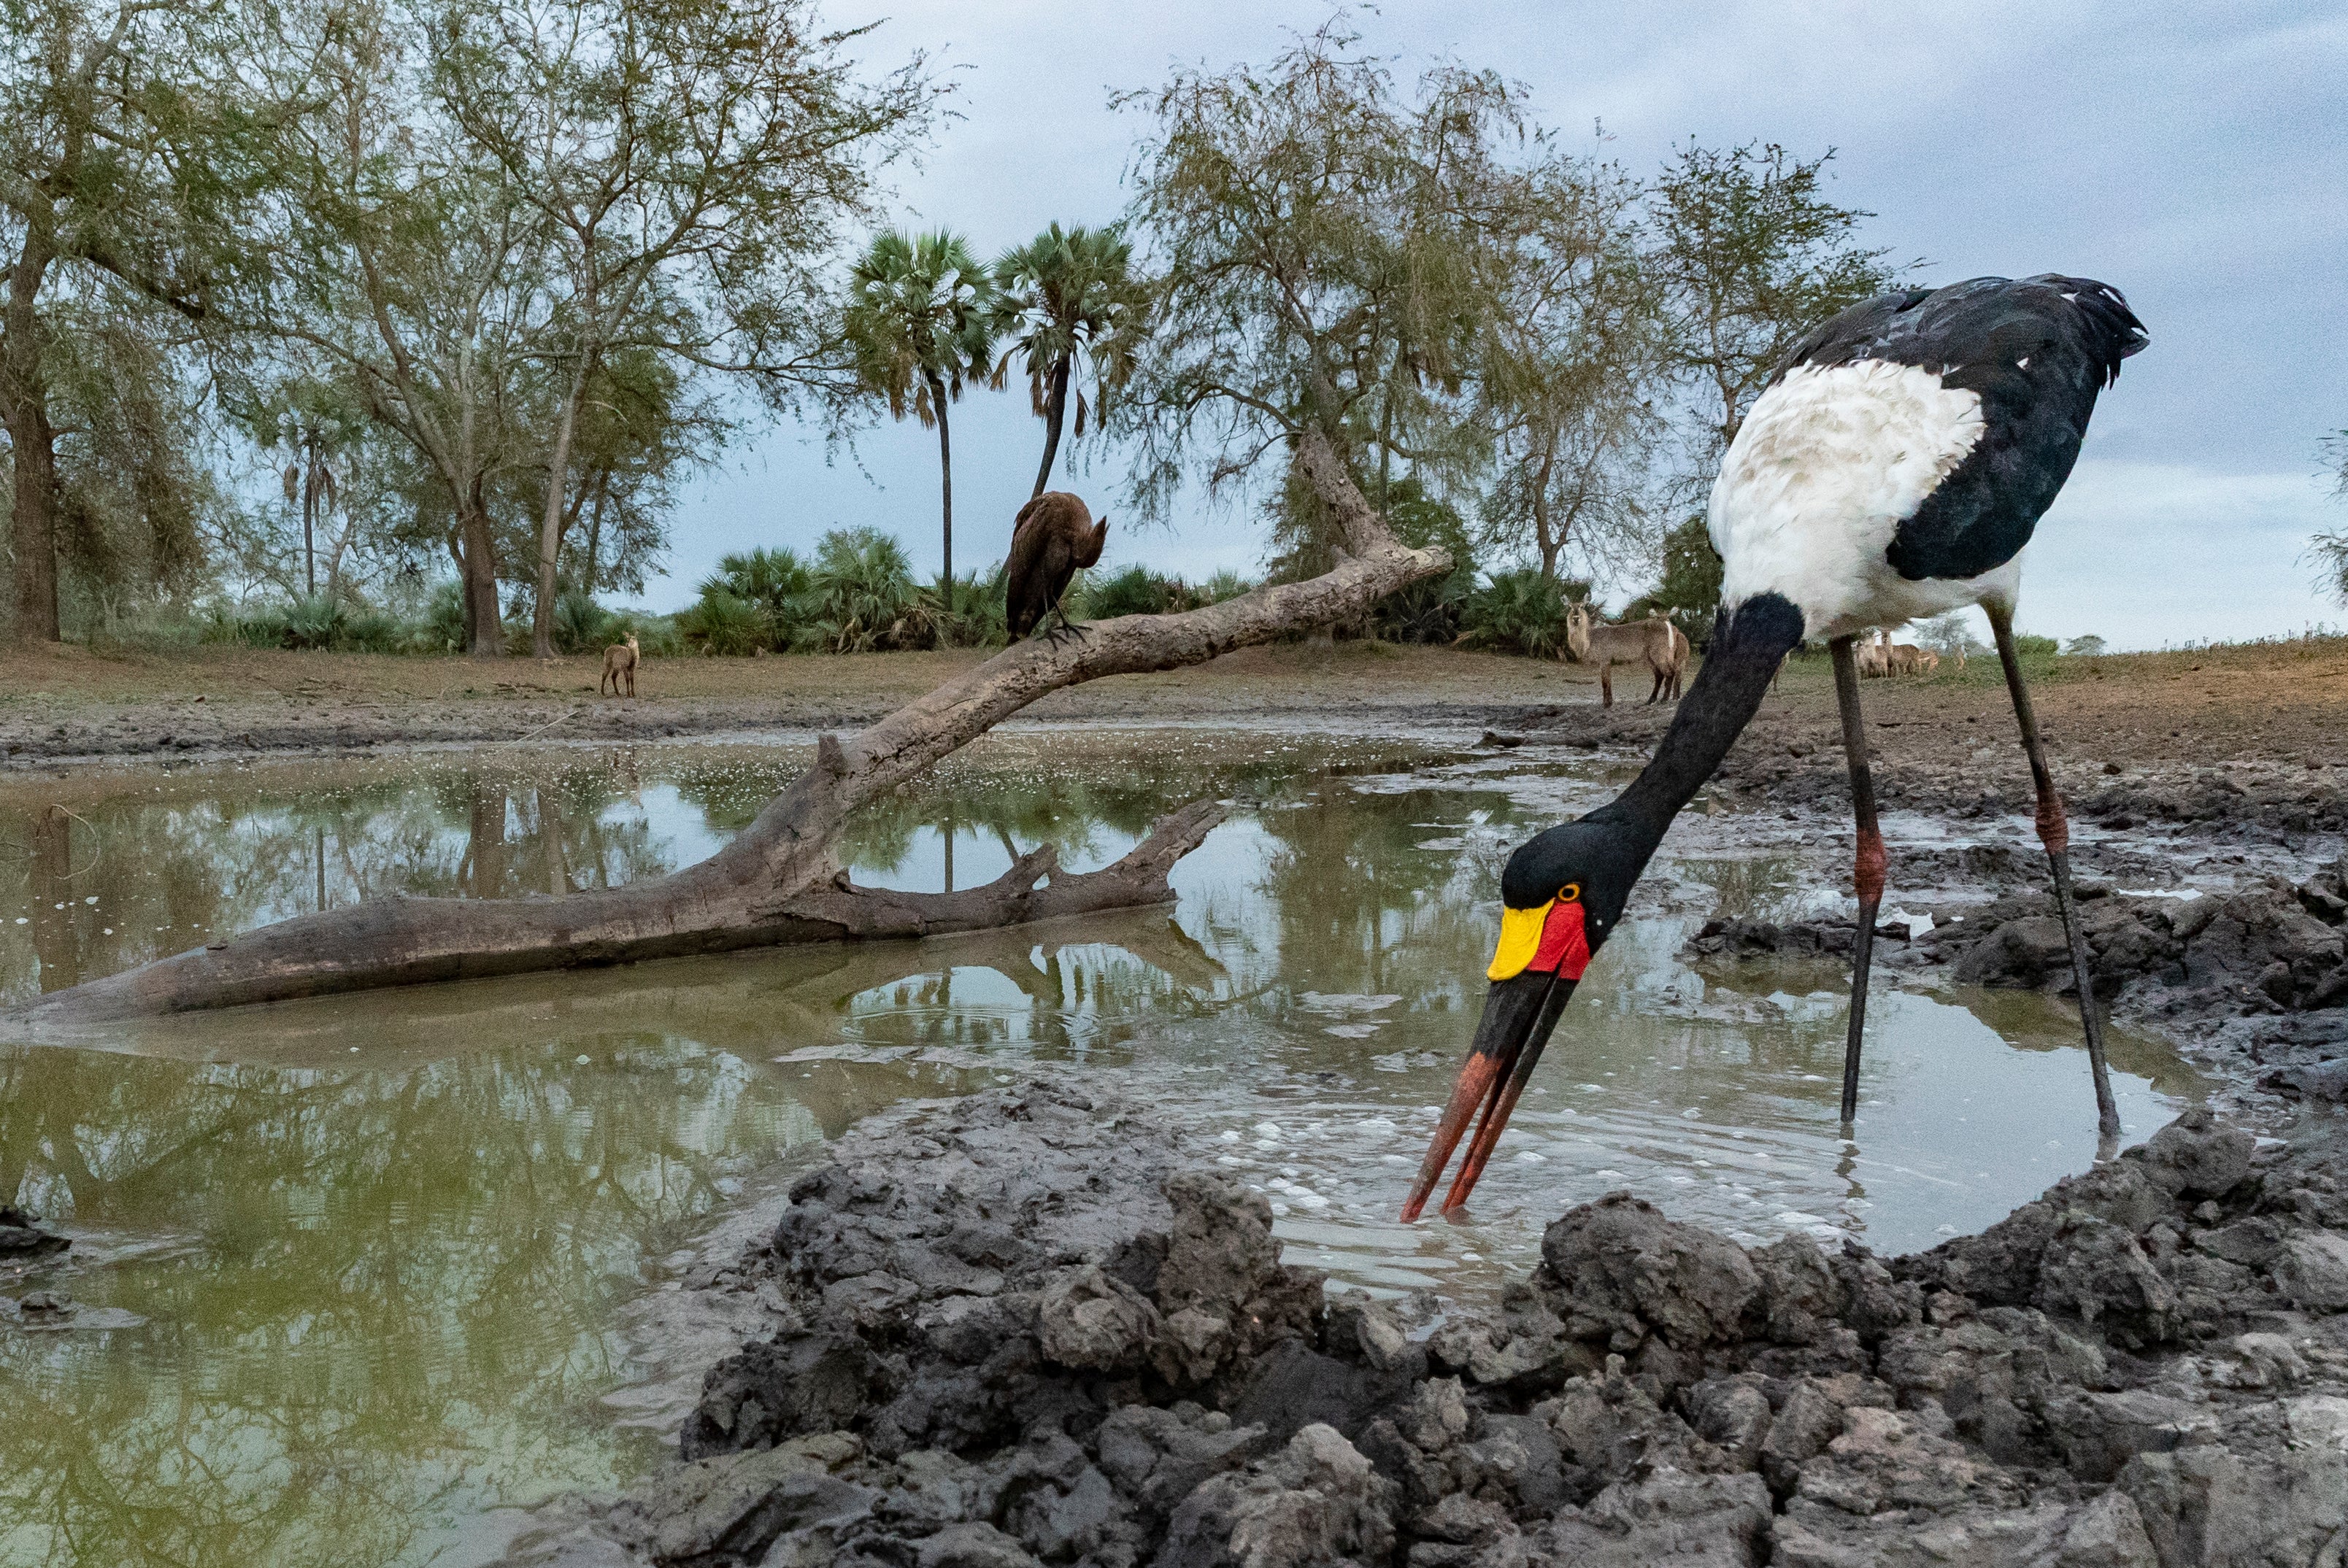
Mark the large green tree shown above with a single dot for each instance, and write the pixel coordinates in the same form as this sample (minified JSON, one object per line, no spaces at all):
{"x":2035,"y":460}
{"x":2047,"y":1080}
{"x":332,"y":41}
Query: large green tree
{"x":1070,"y":297}
{"x":413,"y":276}
{"x":121,"y":178}
{"x":1570,"y":370}
{"x":1325,"y":269}
{"x":919,"y":321}
{"x":1750,"y":253}
{"x":692,"y":163}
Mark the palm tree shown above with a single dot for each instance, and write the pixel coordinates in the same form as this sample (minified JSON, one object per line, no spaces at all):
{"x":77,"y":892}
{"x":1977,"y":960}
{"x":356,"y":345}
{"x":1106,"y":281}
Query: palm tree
{"x":1066,"y":295}
{"x":920,"y":321}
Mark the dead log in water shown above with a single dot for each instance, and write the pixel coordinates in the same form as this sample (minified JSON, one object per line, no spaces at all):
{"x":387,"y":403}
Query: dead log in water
{"x":780,"y":881}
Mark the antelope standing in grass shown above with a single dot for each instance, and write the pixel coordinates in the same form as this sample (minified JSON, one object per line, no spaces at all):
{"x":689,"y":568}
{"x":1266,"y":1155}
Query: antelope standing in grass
{"x":1678,"y":655}
{"x":1874,"y":657}
{"x":1907,"y":659}
{"x":1654,"y":642}
{"x":619,"y":664}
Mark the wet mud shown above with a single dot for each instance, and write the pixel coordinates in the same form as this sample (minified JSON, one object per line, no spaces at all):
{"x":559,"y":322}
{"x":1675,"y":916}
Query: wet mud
{"x":1025,"y":1326}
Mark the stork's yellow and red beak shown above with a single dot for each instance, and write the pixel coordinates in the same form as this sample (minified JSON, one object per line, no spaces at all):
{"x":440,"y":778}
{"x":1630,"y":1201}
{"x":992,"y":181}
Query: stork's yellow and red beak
{"x":1547,"y":940}
{"x":1541,"y":956}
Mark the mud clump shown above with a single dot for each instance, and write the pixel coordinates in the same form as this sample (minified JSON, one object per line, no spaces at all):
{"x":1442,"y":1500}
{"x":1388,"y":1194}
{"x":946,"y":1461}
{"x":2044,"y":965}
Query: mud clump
{"x":24,"y":1235}
{"x":1021,"y":1328}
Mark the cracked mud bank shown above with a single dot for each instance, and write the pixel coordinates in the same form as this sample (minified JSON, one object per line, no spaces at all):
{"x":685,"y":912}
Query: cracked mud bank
{"x":1026,"y":1326}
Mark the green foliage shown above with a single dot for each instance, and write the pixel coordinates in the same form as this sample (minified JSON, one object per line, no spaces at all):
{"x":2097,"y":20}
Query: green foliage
{"x":584,"y":626}
{"x":1749,"y":254}
{"x":1432,"y":610}
{"x":657,"y":636}
{"x":1226,"y":584}
{"x":724,"y":623}
{"x":2328,"y":549}
{"x":2087,"y":647}
{"x":1689,"y":589}
{"x":968,"y":613}
{"x":2030,"y":647}
{"x":1326,"y":236}
{"x":442,"y":629}
{"x":1518,"y":612}
{"x":1136,"y":591}
{"x":860,"y":592}
{"x":1070,"y":297}
{"x":775,"y":580}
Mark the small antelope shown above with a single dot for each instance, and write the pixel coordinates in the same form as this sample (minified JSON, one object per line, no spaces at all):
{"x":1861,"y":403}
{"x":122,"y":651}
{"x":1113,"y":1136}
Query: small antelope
{"x":1875,"y":657}
{"x":1907,"y":659}
{"x":1654,"y":642}
{"x":619,"y":664}
{"x":1678,"y":653}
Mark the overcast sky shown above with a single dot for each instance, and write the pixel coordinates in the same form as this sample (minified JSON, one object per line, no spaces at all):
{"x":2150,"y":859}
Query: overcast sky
{"x":2189,"y":157}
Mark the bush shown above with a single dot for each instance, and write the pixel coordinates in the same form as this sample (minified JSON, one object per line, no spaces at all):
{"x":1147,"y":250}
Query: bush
{"x":2026,"y":645}
{"x":442,"y":629}
{"x":1136,"y":591}
{"x":725,"y":623}
{"x":860,"y":594}
{"x":584,"y":626}
{"x":1518,"y":612}
{"x":2087,"y":646}
{"x":776,"y":583}
{"x":968,"y":613}
{"x":657,"y":636}
{"x":1225,"y":584}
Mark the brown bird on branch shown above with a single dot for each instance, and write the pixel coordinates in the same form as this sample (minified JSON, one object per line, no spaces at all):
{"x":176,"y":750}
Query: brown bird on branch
{"x":1054,"y":536}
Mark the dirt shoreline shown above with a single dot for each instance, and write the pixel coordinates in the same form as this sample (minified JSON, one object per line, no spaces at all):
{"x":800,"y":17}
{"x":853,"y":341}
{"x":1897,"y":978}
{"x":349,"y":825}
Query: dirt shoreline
{"x":2281,"y":702}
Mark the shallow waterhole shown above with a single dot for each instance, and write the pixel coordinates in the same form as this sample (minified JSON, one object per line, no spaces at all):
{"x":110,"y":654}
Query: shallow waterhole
{"x":350,"y":1270}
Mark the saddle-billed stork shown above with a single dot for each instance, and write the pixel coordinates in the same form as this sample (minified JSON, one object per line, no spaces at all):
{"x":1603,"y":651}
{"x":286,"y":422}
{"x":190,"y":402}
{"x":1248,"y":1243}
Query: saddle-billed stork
{"x":1892,"y":469}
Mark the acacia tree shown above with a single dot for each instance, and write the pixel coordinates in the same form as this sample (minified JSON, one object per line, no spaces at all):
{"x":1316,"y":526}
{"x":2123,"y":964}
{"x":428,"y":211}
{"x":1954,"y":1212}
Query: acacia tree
{"x":119,"y":184}
{"x":412,"y":274}
{"x":1749,"y":254}
{"x":1069,"y":296}
{"x":1569,"y":372}
{"x":691,"y":162}
{"x":920,"y":320}
{"x":1324,"y":248}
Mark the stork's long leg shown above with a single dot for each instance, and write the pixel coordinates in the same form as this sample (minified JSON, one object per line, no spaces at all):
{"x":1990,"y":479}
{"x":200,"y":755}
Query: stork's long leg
{"x":1867,"y":867}
{"x":2054,"y":832}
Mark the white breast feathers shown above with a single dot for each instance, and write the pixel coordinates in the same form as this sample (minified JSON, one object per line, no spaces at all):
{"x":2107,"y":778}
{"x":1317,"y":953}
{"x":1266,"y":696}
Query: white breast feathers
{"x":1827,"y":465}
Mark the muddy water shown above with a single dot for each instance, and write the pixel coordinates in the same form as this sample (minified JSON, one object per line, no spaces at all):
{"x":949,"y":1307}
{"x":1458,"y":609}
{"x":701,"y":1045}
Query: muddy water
{"x":350,"y":1271}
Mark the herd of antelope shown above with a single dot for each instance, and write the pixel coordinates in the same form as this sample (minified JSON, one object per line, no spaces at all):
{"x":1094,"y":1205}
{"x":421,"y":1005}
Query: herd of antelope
{"x":1660,"y":647}
{"x":1883,"y":657}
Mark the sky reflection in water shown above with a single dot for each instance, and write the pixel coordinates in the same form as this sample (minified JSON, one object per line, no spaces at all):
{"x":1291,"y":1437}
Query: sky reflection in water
{"x":362,"y":1257}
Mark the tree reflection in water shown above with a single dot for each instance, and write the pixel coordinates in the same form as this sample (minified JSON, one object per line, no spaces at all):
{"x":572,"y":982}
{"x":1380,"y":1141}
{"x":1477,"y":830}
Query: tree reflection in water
{"x":378,"y":1242}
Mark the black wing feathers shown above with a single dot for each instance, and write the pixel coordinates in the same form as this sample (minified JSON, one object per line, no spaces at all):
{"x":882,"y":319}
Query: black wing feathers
{"x":2037,"y":351}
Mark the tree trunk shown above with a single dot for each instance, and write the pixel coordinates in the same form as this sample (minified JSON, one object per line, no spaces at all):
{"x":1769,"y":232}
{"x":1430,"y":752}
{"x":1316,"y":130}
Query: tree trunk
{"x":780,"y":881}
{"x":595,"y":529}
{"x":1056,"y":408}
{"x":33,"y":442}
{"x":550,"y":528}
{"x":310,"y":532}
{"x":945,"y":480}
{"x":486,"y":635}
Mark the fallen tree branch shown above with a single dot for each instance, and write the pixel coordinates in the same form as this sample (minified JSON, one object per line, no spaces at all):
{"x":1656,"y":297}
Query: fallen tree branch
{"x":778,"y":881}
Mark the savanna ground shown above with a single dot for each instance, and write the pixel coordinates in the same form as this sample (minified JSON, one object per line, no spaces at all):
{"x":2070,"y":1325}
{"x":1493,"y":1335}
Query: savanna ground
{"x":2281,"y":702}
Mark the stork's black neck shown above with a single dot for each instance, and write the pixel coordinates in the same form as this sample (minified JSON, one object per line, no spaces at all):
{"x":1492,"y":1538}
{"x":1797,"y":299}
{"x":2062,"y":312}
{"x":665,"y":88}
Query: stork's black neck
{"x":1746,"y":646}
